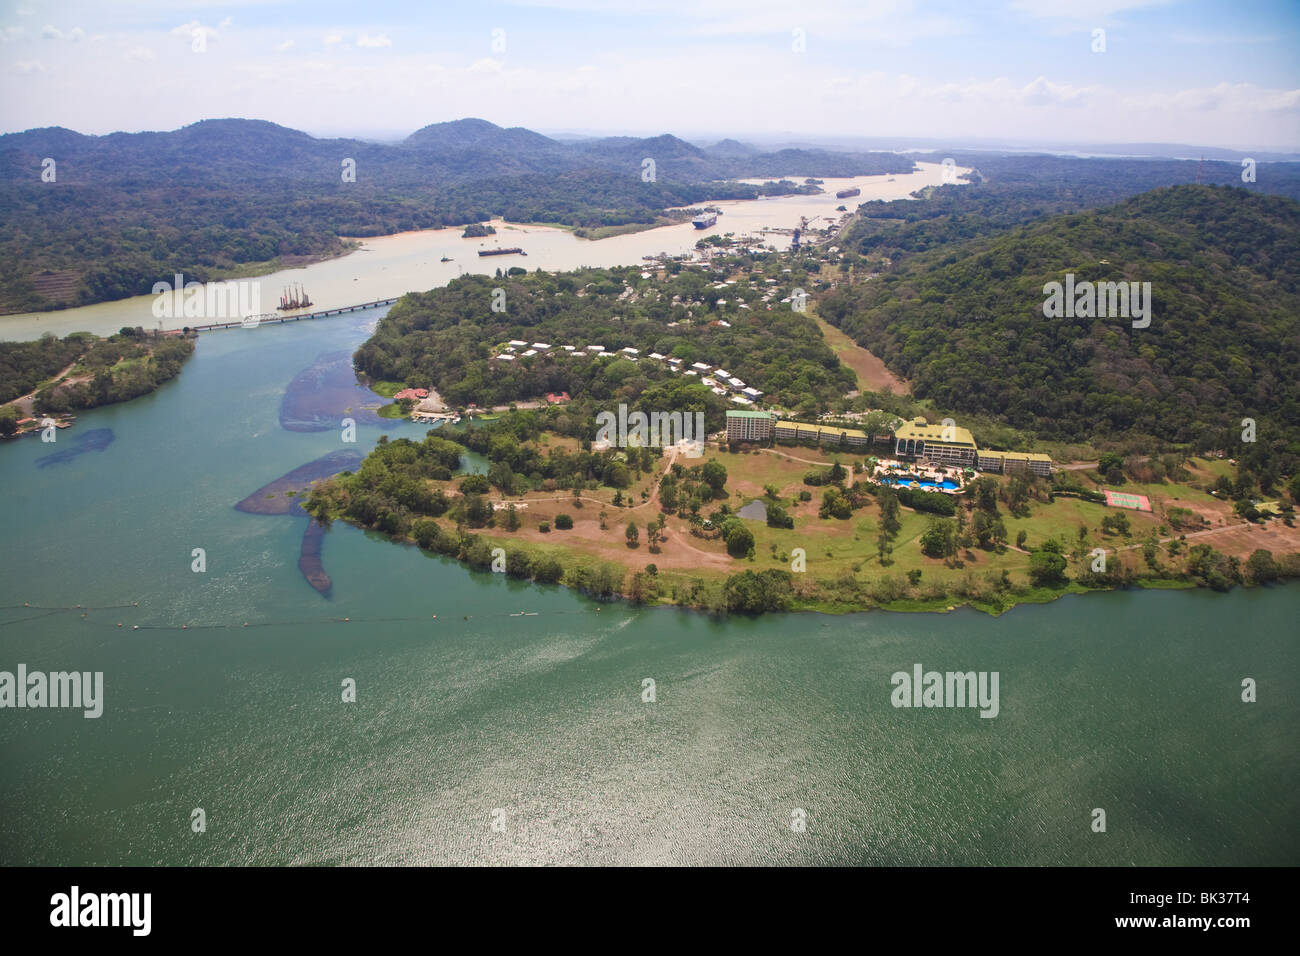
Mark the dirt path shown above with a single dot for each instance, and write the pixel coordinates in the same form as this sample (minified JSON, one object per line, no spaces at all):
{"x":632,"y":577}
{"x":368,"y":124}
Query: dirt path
{"x":872,"y":374}
{"x":25,"y":402}
{"x":806,"y":461}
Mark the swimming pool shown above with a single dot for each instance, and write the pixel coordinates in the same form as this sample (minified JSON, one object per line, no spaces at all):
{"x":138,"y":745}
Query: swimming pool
{"x":945,"y":485}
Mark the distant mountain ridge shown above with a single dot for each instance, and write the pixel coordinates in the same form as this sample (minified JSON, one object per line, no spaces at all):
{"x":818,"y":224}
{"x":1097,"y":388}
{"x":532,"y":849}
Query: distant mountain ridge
{"x":445,"y":152}
{"x":126,"y":209}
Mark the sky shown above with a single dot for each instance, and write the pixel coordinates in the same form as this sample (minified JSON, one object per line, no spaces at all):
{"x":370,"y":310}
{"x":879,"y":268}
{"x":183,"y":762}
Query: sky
{"x":1221,"y":74}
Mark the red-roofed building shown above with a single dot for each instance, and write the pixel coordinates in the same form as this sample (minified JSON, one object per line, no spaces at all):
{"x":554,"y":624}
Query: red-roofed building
{"x":412,"y":393}
{"x":560,"y":399}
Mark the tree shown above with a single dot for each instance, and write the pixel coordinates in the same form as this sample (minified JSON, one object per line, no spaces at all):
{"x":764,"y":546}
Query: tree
{"x":940,"y":538}
{"x":884,"y":548}
{"x":477,"y":510}
{"x":8,"y":420}
{"x":1116,"y":524}
{"x":715,"y":476}
{"x":834,"y":504}
{"x":548,"y":570}
{"x":563,"y":522}
{"x":512,"y":519}
{"x":1046,"y":568}
{"x":777,"y":517}
{"x":985,"y":492}
{"x":1111,"y":467}
{"x":1021,"y":537}
{"x":750,"y":592}
{"x":1261,"y":566}
{"x":998,"y":530}
{"x":740,"y":540}
{"x":632,"y":534}
{"x":890,"y":522}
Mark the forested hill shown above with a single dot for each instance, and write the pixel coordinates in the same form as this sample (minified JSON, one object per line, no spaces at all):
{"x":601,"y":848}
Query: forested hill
{"x":446,"y":338}
{"x":1006,"y":191}
{"x":965,"y":323}
{"x":128,"y":209}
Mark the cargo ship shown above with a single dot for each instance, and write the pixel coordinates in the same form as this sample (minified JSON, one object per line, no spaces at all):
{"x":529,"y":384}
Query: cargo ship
{"x":704,"y":220}
{"x":515,"y":251}
{"x":846,"y":193}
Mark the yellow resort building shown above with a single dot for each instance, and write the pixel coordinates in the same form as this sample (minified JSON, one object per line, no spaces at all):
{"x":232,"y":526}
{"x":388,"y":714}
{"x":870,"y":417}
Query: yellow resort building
{"x":951,"y":445}
{"x":947,"y":444}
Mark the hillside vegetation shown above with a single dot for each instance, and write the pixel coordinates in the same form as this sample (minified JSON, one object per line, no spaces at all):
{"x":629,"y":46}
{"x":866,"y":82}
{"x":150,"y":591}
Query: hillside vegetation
{"x":965,"y":324}
{"x":221,"y":196}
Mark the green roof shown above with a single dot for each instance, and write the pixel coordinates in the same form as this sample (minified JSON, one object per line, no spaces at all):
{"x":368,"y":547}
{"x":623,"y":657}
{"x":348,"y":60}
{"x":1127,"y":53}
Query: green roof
{"x":740,"y":413}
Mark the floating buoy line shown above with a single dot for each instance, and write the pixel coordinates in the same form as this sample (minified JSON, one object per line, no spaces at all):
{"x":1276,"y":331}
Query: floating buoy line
{"x":48,"y":610}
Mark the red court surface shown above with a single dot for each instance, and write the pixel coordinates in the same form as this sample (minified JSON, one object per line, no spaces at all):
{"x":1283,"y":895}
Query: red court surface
{"x":1122,"y":499}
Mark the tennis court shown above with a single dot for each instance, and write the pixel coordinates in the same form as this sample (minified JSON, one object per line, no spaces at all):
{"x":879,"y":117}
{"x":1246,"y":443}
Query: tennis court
{"x":1122,"y":499}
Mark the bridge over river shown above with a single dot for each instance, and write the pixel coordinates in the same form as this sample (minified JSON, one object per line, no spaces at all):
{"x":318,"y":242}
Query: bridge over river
{"x":273,"y":318}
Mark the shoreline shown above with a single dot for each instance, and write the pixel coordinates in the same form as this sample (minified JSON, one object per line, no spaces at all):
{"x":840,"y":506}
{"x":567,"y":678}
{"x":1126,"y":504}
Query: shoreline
{"x":900,"y":190}
{"x":939,"y":605}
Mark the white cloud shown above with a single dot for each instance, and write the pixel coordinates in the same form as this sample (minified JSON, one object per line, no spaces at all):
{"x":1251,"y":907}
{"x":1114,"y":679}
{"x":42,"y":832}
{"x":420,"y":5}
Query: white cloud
{"x":26,"y":66}
{"x":140,"y":53}
{"x":193,"y":28}
{"x":331,"y":39}
{"x":283,"y":47}
{"x":225,"y":24}
{"x":1091,"y":11}
{"x":76,"y":34}
{"x":1230,"y":97}
{"x":377,"y":40}
{"x":486,"y":65}
{"x":51,"y":33}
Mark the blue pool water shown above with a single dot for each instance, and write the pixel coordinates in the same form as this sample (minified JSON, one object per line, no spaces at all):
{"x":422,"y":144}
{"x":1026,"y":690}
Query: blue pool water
{"x":913,"y":482}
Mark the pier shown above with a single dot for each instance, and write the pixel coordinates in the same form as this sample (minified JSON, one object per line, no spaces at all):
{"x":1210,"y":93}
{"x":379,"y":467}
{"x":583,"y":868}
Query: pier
{"x":274,"y":318}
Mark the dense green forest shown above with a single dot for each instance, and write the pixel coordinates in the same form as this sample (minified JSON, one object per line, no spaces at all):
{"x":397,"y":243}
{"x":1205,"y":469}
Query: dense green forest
{"x":103,"y":370}
{"x":446,"y":339}
{"x":218,"y":196}
{"x":24,"y":365}
{"x":965,"y":323}
{"x":1006,"y":191}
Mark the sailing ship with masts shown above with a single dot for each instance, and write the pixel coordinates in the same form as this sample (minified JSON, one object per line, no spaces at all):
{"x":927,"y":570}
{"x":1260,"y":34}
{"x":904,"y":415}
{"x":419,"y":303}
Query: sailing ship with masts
{"x":294,"y":297}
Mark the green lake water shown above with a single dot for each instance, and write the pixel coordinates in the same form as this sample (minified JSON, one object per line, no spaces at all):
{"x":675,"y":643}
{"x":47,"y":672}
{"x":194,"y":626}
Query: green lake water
{"x":1128,"y":702}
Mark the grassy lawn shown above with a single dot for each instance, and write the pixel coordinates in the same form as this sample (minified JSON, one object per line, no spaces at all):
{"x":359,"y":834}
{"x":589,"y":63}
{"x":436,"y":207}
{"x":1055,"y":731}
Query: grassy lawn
{"x":834,"y":550}
{"x":387,"y":389}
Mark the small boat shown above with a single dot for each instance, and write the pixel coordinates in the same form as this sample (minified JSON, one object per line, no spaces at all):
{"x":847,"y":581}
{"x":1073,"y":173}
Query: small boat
{"x":445,"y":259}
